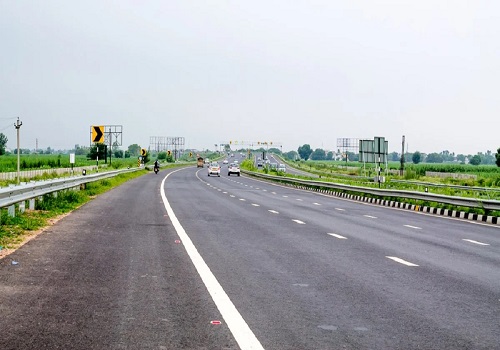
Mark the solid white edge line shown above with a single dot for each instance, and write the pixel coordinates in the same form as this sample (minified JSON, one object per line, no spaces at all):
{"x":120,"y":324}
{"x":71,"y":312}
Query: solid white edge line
{"x":475,"y":242}
{"x":401,"y":261}
{"x":337,"y":236}
{"x":244,"y":336}
{"x":415,"y":227}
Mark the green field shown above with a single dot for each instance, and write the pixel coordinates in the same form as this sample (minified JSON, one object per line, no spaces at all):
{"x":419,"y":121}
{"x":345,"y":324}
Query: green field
{"x":8,"y":163}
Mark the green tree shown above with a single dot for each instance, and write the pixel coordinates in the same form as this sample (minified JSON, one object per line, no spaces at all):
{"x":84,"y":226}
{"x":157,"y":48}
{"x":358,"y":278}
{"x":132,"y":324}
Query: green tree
{"x":329,"y":155}
{"x":434,"y":158}
{"x":475,"y":160}
{"x":318,"y":154}
{"x":3,"y":143}
{"x":416,"y":157}
{"x":304,"y":151}
{"x":134,"y":150}
{"x":394,"y":156}
{"x":497,"y":156}
{"x":461,"y":158}
{"x":292,"y":155}
{"x":97,"y":150}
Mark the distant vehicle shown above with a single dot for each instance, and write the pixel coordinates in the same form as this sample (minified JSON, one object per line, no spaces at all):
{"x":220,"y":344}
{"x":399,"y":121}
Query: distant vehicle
{"x":233,"y":168}
{"x":282,"y":168}
{"x":207,"y":161}
{"x":259,"y":164}
{"x":199,"y":163}
{"x":214,"y":169}
{"x":225,"y":161}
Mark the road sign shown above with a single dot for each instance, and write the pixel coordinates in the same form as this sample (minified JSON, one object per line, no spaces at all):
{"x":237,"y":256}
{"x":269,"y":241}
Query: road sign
{"x":98,"y":134}
{"x":169,"y":153}
{"x":144,"y":152}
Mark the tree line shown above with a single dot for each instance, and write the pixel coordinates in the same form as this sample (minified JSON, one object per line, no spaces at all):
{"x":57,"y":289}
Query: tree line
{"x":305,"y":152}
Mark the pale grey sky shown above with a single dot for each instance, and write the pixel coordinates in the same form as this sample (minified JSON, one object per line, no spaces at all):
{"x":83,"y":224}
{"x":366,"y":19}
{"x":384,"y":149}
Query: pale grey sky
{"x":289,"y":72}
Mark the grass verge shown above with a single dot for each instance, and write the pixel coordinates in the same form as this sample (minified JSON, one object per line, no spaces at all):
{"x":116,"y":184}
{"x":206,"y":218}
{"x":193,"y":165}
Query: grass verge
{"x":15,"y":231}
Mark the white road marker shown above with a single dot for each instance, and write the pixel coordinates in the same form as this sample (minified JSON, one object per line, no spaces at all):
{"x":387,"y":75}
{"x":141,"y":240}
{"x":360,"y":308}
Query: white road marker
{"x":232,"y":195}
{"x":401,"y":261}
{"x":244,"y":336}
{"x":369,"y":216}
{"x":337,"y":236}
{"x":316,"y":204}
{"x":339,"y":209}
{"x":415,"y":227}
{"x":273,"y":192}
{"x":285,"y":196}
{"x":273,"y":211}
{"x":299,"y":222}
{"x":475,"y":242}
{"x":255,"y":205}
{"x":300,"y":200}
{"x":242,"y":199}
{"x":224,"y":192}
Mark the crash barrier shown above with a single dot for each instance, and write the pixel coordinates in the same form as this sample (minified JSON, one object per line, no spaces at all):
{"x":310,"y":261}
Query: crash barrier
{"x":382,"y":195}
{"x":10,"y":196}
{"x":29,"y":174}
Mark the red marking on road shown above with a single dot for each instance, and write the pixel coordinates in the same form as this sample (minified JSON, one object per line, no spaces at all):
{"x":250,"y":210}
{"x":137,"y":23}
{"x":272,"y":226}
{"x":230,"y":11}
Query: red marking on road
{"x":177,"y":241}
{"x":216,"y":322}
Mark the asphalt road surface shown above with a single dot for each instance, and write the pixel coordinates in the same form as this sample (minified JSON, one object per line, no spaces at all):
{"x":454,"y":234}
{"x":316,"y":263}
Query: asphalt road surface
{"x":180,"y":260}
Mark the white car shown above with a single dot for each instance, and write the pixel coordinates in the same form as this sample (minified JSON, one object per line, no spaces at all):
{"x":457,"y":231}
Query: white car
{"x":233,"y":168}
{"x":282,"y":168}
{"x":225,"y":161}
{"x":214,"y":169}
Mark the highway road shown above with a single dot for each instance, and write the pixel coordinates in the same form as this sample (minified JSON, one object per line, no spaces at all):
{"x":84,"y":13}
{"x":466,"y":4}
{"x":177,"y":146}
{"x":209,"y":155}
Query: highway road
{"x":180,"y":260}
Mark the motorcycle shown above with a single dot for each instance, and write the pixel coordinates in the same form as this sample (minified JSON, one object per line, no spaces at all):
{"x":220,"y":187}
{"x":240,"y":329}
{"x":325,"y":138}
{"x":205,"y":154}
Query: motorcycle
{"x":156,"y":169}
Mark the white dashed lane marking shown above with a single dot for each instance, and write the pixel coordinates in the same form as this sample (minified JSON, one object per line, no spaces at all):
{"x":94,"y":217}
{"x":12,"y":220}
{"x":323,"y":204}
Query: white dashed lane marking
{"x":255,"y":205}
{"x":273,"y":211}
{"x":415,"y":227}
{"x":316,"y":204}
{"x":337,"y":236}
{"x":299,"y":222}
{"x":369,"y":216}
{"x":474,"y":242}
{"x":401,"y":261}
{"x":339,"y":209}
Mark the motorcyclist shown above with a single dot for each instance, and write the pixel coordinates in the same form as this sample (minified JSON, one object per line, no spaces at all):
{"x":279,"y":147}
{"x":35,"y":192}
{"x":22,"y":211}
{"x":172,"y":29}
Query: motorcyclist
{"x":157,"y":165}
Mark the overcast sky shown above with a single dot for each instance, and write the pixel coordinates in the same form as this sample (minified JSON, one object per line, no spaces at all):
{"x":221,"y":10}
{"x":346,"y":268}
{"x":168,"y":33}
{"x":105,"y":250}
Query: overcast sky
{"x":287,"y":72}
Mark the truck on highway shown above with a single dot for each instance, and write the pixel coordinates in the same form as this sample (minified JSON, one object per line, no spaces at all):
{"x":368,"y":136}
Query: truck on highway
{"x":199,"y":163}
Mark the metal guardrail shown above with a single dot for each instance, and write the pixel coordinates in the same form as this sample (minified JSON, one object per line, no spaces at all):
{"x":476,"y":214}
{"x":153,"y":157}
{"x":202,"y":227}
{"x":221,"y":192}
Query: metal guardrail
{"x":16,"y":194}
{"x":452,"y":200}
{"x":458,"y":187}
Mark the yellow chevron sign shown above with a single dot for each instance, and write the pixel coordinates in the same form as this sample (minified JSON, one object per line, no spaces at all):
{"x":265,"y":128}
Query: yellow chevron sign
{"x":98,"y":134}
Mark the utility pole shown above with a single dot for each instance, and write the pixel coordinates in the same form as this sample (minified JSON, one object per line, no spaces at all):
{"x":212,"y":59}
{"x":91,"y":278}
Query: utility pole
{"x":18,"y":126}
{"x":402,"y":157}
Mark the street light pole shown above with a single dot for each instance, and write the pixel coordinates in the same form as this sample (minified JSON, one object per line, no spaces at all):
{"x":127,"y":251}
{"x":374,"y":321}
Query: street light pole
{"x":18,"y":126}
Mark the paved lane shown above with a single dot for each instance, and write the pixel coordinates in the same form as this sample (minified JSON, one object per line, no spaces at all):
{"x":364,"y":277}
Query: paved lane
{"x":271,"y":250}
{"x":109,"y":276}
